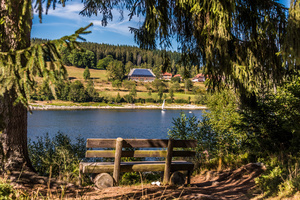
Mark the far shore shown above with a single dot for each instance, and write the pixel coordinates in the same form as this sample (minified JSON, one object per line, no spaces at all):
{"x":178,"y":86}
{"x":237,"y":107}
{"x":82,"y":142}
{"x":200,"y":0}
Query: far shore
{"x":126,"y":106}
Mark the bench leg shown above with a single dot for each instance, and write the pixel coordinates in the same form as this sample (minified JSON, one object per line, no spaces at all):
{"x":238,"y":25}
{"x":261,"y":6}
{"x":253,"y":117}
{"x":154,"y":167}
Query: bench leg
{"x":189,"y":172}
{"x":80,"y":177}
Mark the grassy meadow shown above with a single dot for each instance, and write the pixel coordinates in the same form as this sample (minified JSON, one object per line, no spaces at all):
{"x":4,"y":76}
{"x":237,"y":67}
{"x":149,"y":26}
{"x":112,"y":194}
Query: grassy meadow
{"x":105,"y":88}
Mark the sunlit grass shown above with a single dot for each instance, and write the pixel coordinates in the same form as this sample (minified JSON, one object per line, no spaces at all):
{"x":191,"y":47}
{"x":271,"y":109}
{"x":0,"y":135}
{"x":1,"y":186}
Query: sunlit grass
{"x":105,"y":89}
{"x":77,"y":73}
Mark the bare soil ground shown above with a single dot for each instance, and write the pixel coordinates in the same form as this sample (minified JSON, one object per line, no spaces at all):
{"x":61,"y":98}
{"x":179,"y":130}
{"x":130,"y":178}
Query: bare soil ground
{"x":209,"y":186}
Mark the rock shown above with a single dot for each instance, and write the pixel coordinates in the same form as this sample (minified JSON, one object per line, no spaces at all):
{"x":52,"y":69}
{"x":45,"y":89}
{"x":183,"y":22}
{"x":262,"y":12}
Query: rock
{"x":103,"y":180}
{"x":177,"y":178}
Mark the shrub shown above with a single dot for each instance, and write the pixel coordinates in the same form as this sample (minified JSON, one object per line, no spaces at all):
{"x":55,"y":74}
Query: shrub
{"x":77,"y":92}
{"x":58,"y":152}
{"x":200,"y":99}
{"x":280,"y":179}
{"x":131,"y":178}
{"x":150,"y":100}
{"x":169,"y":101}
{"x":86,"y":74}
{"x":7,"y":191}
{"x":180,"y":101}
{"x":128,"y":98}
{"x":175,"y":79}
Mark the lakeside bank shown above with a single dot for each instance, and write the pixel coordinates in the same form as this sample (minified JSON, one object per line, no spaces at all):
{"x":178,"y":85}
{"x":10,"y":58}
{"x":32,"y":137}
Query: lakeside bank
{"x":126,"y":106}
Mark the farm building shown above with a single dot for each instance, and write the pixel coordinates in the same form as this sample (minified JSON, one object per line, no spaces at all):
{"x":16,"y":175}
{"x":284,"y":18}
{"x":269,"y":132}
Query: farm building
{"x":199,"y":78}
{"x":138,"y":74}
{"x":167,"y":76}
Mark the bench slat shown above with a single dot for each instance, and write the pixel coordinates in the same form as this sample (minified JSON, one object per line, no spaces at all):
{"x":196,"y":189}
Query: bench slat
{"x":139,"y":143}
{"x":139,"y":166}
{"x":137,"y":153}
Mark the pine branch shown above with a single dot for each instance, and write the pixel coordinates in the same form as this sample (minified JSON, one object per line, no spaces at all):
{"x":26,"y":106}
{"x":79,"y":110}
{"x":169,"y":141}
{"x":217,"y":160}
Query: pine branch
{"x":19,"y":69}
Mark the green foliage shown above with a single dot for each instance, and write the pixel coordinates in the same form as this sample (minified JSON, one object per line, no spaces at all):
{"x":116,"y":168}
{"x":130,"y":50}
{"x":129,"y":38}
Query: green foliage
{"x":216,"y":133}
{"x":119,"y":99}
{"x":69,"y":91}
{"x":274,"y":126}
{"x":160,"y":93}
{"x":175,"y":86}
{"x":129,"y":98}
{"x":185,"y":128}
{"x":280,"y":178}
{"x":150,"y":100}
{"x":157,"y":84}
{"x":132,"y":178}
{"x":43,"y":92}
{"x":117,"y":83}
{"x":175,"y":79}
{"x":103,"y":63}
{"x":62,"y":90}
{"x":129,"y":65}
{"x":92,"y":94}
{"x":128,"y":84}
{"x":77,"y":92}
{"x":201,"y":99}
{"x":188,"y":84}
{"x":13,"y":68}
{"x":236,"y":41}
{"x":180,"y":101}
{"x":7,"y":191}
{"x":78,"y":58}
{"x":171,"y":94}
{"x":86,"y":73}
{"x":133,"y":91}
{"x":291,"y":50}
{"x":58,"y":152}
{"x":116,"y":70}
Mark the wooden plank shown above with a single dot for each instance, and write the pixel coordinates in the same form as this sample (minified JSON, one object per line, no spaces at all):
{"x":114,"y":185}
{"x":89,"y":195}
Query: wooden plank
{"x":185,"y":143}
{"x":140,"y":143}
{"x":118,"y":155}
{"x":138,"y":166}
{"x":101,"y":143}
{"x":137,"y":153}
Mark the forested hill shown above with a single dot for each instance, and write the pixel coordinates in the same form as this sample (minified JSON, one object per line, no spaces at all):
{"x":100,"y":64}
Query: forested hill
{"x":98,"y":56}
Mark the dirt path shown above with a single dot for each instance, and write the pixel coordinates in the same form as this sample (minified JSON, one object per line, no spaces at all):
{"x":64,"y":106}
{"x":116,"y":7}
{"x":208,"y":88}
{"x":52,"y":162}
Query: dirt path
{"x":208,"y":186}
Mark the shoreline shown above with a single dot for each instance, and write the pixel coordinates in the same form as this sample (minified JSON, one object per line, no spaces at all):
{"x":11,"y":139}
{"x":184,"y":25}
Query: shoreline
{"x":128,"y":106}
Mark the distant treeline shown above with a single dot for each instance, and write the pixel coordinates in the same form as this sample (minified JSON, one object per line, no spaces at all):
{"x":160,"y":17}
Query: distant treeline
{"x":94,"y":55}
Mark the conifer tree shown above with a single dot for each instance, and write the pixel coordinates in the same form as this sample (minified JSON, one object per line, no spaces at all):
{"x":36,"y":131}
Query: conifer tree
{"x":86,"y":74}
{"x":236,"y":42}
{"x":20,"y":65}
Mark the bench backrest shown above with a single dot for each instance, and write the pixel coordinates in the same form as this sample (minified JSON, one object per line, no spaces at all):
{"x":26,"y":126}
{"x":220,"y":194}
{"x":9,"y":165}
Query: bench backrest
{"x":139,"y":143}
{"x":119,"y":144}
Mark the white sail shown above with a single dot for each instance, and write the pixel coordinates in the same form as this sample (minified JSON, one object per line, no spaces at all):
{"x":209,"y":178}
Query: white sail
{"x":163,"y":106}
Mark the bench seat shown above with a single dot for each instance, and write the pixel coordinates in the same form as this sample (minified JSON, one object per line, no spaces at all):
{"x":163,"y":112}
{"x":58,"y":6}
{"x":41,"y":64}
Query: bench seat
{"x":135,"y":166}
{"x":119,"y":148}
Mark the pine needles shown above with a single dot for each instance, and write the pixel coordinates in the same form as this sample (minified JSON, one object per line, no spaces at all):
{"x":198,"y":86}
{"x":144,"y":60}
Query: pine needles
{"x":19,"y":69}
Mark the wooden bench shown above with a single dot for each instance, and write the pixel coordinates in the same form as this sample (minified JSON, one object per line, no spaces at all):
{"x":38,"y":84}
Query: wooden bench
{"x":121,"y":147}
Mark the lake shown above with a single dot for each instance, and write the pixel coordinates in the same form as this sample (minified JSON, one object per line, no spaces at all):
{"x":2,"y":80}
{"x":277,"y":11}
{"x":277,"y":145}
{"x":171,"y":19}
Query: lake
{"x":112,"y":123}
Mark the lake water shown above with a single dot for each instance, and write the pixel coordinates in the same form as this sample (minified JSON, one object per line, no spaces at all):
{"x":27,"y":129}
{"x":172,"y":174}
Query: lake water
{"x":113,"y":123}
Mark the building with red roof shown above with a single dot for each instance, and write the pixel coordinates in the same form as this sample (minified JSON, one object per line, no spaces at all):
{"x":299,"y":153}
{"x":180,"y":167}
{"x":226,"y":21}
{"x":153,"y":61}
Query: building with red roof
{"x":199,"y":78}
{"x":166,"y":76}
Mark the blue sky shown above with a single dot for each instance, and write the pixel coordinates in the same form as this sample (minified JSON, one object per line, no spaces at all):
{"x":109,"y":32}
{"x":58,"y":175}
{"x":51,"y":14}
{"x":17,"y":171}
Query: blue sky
{"x":65,"y":21}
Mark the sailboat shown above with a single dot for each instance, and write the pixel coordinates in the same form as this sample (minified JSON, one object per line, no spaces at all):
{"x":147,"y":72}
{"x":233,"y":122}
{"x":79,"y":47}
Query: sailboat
{"x":163,"y":106}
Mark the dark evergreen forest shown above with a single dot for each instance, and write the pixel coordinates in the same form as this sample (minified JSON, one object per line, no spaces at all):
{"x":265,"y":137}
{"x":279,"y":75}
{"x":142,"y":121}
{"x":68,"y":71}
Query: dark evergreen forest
{"x":98,"y":56}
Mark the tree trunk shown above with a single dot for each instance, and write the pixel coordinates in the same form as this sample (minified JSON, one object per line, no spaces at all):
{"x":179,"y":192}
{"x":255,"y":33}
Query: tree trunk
{"x":15,"y":35}
{"x":14,"y":134}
